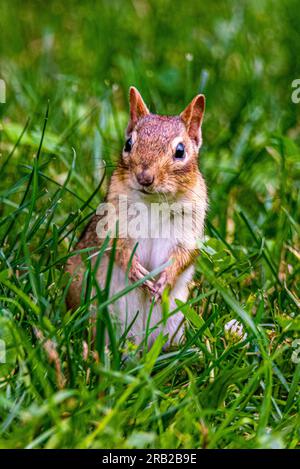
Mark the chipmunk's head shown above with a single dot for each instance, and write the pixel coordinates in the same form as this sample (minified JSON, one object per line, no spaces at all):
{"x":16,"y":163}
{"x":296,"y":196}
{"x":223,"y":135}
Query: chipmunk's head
{"x":160,"y":152}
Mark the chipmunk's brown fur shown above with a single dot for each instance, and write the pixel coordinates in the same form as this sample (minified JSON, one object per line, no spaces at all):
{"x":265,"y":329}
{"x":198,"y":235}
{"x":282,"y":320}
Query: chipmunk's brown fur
{"x":150,"y":172}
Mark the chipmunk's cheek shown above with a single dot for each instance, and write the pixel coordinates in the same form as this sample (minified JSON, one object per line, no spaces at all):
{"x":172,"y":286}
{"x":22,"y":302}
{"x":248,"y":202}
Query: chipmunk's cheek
{"x":159,"y":183}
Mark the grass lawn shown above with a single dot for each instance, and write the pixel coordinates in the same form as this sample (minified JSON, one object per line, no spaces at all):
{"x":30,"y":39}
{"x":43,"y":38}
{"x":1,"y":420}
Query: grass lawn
{"x":67,"y":67}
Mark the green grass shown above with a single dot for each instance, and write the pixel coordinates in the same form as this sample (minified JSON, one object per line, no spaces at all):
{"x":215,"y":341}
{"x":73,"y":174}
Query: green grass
{"x":67,"y":68}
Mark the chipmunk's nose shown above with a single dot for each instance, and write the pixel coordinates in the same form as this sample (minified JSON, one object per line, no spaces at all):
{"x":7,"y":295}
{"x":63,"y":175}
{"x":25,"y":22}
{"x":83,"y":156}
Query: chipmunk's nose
{"x":145,"y":178}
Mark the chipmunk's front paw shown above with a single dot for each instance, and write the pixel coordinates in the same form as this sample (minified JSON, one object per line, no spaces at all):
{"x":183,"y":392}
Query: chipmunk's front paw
{"x":160,"y":285}
{"x":137,"y":272}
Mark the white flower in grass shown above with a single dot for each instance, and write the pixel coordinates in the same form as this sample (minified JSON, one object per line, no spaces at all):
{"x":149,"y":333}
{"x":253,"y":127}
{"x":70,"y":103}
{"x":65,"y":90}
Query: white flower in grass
{"x":234,"y":331}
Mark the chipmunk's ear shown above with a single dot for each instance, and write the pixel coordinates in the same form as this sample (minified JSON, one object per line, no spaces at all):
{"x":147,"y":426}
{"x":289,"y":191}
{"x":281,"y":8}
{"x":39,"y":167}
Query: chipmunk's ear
{"x":137,"y":107}
{"x":192,"y":117}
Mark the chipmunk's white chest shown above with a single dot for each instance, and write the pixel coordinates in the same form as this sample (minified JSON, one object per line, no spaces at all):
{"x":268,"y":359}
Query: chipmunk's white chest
{"x":157,"y":231}
{"x":154,"y":250}
{"x":164,"y":226}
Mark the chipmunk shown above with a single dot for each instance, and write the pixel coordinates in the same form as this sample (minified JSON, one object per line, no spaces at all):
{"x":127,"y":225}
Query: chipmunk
{"x":159,"y":164}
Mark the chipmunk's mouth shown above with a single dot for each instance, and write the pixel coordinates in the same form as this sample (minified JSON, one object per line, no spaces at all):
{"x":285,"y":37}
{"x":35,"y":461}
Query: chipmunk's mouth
{"x":143,"y":191}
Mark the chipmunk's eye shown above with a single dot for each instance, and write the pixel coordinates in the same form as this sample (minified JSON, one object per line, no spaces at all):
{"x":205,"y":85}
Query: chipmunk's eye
{"x":179,"y":152}
{"x":128,"y":145}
